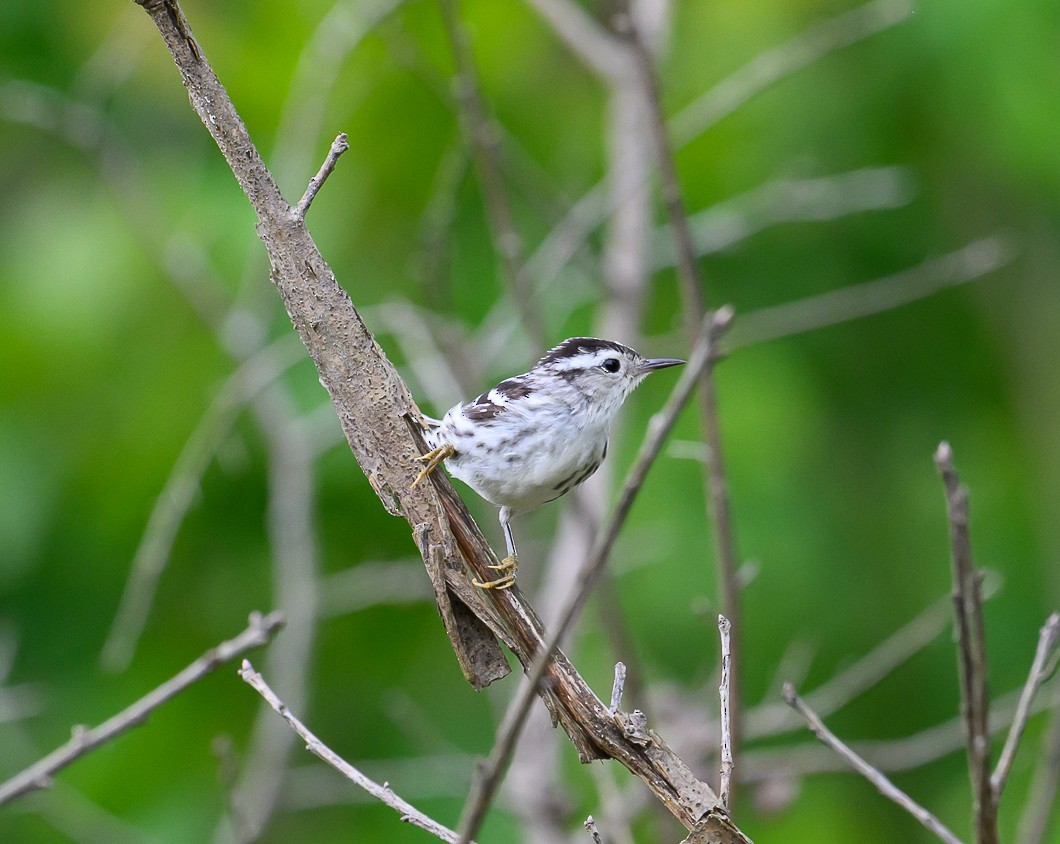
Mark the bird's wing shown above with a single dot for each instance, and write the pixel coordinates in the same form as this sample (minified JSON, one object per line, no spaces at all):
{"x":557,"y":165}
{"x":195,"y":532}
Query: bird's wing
{"x":494,"y":403}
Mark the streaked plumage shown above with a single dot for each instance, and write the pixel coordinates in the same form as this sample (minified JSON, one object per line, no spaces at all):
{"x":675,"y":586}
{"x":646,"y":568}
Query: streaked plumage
{"x":536,"y":436}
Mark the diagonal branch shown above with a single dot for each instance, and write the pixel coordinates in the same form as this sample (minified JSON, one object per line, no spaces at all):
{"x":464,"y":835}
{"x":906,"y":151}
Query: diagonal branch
{"x":887,"y":788}
{"x":259,"y":631}
{"x":314,"y":745}
{"x":1039,"y":671}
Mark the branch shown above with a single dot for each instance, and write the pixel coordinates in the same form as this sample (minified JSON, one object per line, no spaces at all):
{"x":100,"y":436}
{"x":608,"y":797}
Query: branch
{"x":1046,"y":642}
{"x":725,"y":786}
{"x":887,"y":788}
{"x":338,"y":147}
{"x":409,"y":813}
{"x":971,"y":650}
{"x":39,"y":775}
{"x":370,"y":398}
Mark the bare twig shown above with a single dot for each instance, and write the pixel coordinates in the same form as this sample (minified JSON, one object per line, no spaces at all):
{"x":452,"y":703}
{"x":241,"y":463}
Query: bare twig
{"x":338,"y":147}
{"x":590,"y":825}
{"x":883,"y":785}
{"x":716,"y":481}
{"x":259,"y":631}
{"x":971,"y":650}
{"x":702,"y":356}
{"x":1046,"y":642}
{"x":409,"y":813}
{"x":725,"y":786}
{"x":618,"y":687}
{"x":891,"y":755}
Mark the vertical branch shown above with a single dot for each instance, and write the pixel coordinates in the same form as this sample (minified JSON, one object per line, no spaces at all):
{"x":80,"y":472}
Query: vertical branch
{"x":724,"y":691}
{"x":971,"y":650}
{"x":695,"y":306}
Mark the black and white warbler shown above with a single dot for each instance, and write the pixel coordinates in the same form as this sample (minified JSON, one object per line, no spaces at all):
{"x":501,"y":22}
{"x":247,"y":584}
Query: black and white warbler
{"x":536,"y":436}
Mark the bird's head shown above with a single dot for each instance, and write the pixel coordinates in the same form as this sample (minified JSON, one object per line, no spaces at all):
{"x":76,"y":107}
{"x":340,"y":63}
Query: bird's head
{"x":603,"y":372}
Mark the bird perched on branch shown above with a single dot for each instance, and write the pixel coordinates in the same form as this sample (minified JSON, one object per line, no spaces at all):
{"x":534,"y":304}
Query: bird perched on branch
{"x":536,"y":436}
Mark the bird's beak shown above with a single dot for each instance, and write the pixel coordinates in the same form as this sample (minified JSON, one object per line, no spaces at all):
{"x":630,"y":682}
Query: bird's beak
{"x":660,"y":363}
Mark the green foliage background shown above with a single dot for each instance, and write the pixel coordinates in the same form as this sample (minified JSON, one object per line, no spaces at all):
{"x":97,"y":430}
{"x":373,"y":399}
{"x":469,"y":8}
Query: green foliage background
{"x":113,"y":190}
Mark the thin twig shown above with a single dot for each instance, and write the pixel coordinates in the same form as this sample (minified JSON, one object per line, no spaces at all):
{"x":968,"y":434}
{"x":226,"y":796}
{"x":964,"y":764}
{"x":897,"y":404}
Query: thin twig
{"x":725,"y":784}
{"x":409,"y":813}
{"x":1046,"y":642}
{"x":715,"y":476}
{"x":971,"y":650}
{"x":338,"y":147}
{"x":590,"y":824}
{"x":702,"y":356}
{"x":887,"y":788}
{"x":38,"y":775}
{"x":618,"y":687}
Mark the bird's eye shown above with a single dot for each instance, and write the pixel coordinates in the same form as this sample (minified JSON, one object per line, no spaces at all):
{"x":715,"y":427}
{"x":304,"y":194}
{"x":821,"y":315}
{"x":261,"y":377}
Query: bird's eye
{"x":611,"y":365}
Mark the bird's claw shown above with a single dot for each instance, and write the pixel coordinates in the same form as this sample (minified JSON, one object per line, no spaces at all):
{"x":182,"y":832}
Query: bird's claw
{"x":432,"y":458}
{"x":508,"y":565}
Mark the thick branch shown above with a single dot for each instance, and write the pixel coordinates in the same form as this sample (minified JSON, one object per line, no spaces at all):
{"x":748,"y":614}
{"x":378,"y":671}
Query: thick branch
{"x":83,"y":741}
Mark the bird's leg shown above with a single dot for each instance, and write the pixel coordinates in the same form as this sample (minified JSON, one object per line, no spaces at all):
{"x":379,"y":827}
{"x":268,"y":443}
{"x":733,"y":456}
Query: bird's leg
{"x":432,"y":458}
{"x":509,"y":564}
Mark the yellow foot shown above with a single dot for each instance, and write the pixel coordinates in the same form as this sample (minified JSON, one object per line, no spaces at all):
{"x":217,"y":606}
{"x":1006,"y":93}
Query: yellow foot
{"x":432,"y":459}
{"x":508,"y":565}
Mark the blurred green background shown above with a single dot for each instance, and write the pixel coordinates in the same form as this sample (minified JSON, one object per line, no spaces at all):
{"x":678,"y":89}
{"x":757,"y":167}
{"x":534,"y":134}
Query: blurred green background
{"x":147,"y":367}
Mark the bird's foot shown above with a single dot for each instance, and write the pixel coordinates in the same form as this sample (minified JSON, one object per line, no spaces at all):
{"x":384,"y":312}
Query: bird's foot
{"x":508,"y":565}
{"x":432,"y":458}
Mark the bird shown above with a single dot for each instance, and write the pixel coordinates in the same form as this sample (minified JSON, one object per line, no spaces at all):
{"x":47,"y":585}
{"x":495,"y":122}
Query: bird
{"x":534,"y":437}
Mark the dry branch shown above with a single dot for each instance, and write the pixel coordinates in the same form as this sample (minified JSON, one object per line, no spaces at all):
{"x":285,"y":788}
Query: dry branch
{"x":259,"y":631}
{"x":314,"y":745}
{"x":887,"y":788}
{"x":380,"y":421}
{"x":971,"y":650}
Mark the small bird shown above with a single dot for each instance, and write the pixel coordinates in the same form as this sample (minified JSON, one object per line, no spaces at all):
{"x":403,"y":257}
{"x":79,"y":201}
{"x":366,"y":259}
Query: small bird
{"x":534,"y":437}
